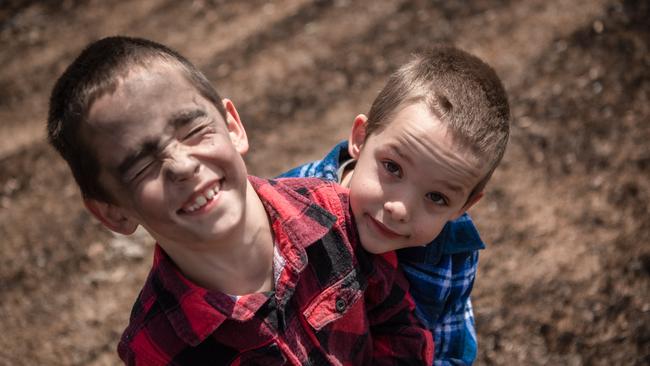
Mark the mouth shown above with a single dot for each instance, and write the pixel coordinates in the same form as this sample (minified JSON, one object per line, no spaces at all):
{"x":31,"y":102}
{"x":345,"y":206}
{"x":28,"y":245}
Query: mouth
{"x":201,"y":199}
{"x":384,"y":230}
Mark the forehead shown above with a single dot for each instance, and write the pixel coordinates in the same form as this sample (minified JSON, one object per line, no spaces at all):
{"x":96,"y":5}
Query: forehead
{"x":140,"y":93}
{"x":418,"y":136}
{"x":140,"y":108}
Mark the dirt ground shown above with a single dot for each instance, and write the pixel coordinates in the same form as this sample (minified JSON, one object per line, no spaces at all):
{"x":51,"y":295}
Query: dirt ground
{"x":566,"y":276}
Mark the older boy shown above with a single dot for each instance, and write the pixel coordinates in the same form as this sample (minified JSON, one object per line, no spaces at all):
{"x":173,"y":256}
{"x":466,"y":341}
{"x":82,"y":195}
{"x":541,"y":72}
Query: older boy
{"x":246,"y":271}
{"x":415,"y":165}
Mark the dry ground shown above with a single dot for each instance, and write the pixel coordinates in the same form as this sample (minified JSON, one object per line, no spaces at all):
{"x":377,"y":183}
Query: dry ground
{"x":566,"y":276}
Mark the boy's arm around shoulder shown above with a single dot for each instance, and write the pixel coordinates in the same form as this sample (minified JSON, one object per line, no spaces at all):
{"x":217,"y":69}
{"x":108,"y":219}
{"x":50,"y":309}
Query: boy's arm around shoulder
{"x":454,"y":330}
{"x":326,"y":168}
{"x":441,"y":277}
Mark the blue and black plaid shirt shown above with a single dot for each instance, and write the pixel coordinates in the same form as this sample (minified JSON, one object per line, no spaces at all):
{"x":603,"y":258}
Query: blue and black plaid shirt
{"x":441,"y":274}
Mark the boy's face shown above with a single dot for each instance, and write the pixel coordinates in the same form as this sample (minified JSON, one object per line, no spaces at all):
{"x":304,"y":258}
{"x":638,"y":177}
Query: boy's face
{"x":409,"y":180}
{"x":168,"y":158}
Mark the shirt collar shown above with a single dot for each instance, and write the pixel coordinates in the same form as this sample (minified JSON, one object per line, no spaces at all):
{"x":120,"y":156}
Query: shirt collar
{"x":458,"y":236}
{"x":297,"y":222}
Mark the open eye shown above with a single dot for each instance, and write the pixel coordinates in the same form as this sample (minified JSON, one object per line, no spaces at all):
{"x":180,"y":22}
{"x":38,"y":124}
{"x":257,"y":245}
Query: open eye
{"x":437,"y":198}
{"x":392,"y":168}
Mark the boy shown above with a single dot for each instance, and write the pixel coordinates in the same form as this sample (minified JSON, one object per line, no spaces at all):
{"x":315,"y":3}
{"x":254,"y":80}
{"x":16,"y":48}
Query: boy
{"x":246,"y":271}
{"x":414,"y":166}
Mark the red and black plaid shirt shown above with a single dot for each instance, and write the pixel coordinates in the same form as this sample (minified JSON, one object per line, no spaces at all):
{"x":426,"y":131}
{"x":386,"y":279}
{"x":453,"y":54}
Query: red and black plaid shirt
{"x":333,"y":303}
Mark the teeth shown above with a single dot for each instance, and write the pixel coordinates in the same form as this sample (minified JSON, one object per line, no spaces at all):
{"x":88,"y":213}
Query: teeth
{"x":202,"y":199}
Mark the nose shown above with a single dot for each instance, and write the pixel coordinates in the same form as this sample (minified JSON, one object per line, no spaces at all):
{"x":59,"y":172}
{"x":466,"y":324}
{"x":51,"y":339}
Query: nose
{"x":181,"y":166}
{"x":397,"y":210}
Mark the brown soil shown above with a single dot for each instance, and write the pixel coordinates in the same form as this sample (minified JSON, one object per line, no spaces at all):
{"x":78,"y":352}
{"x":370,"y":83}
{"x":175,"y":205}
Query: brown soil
{"x":566,"y":276}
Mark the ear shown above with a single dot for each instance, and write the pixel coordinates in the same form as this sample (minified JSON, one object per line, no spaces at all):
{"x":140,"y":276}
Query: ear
{"x":357,"y":135}
{"x":235,"y":127}
{"x":111,"y":216}
{"x":470,"y":202}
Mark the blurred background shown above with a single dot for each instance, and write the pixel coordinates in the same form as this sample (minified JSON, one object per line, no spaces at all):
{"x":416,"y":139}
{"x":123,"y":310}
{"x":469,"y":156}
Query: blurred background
{"x":565,"y":278}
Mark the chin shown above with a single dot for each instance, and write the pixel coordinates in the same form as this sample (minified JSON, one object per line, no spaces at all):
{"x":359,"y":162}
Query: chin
{"x":375,"y":249}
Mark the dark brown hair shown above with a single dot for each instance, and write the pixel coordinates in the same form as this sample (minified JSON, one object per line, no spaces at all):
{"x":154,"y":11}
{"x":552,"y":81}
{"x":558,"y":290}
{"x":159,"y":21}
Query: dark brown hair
{"x":95,"y":72}
{"x":460,"y":90}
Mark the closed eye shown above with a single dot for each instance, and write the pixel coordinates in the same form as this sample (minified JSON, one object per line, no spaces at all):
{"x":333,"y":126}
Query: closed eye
{"x":194,"y":132}
{"x":141,"y":171}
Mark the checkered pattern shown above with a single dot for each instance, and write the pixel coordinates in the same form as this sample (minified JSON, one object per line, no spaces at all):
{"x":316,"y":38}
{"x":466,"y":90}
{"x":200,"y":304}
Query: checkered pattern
{"x":441,"y":275}
{"x":333,"y":303}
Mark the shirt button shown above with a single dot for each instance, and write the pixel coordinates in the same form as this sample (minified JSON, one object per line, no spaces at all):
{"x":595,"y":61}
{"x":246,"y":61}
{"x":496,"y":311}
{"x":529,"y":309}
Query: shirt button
{"x":340,"y":305}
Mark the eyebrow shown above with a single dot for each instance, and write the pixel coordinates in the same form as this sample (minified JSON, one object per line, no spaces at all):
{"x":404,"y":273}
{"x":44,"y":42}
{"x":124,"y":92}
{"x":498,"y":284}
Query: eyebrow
{"x":148,"y":147}
{"x":396,"y":150}
{"x":450,"y":186}
{"x":182,"y":118}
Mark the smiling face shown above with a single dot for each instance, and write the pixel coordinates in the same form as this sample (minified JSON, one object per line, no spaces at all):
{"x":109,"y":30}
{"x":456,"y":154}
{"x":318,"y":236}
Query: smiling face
{"x":168,"y":158}
{"x":409,"y":180}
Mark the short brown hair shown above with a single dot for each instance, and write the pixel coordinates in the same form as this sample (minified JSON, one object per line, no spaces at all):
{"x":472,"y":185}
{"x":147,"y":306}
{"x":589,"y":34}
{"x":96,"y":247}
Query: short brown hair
{"x":95,"y":72}
{"x":458,"y":88}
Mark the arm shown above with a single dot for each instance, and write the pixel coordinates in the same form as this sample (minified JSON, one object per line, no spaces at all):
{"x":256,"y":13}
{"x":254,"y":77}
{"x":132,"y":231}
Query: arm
{"x":455,"y":327}
{"x":442,"y":293}
{"x":398,"y":336}
{"x":326,"y":168}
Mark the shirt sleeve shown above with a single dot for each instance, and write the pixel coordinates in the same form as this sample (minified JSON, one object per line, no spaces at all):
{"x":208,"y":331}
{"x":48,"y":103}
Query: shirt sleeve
{"x":141,"y":351}
{"x":441,"y":290}
{"x":454,"y":332}
{"x":398,"y":336}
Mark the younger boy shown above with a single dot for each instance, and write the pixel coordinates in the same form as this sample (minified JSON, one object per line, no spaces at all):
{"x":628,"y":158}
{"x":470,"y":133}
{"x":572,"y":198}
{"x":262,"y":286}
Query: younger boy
{"x":415,"y":165}
{"x":246,"y":271}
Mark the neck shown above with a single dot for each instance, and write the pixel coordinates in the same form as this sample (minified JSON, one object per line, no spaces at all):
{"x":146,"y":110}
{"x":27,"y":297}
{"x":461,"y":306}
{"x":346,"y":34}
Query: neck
{"x":240,"y":264}
{"x":346,"y":176}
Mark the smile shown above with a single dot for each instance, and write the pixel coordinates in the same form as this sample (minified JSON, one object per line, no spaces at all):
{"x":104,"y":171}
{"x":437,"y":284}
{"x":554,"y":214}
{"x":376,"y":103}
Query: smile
{"x":384,"y":230}
{"x":201,"y":199}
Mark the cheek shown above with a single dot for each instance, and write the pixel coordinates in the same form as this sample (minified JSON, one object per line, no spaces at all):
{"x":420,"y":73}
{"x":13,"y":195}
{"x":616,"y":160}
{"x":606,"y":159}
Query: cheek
{"x":429,"y":229}
{"x":365,"y":183}
{"x":364,"y":193}
{"x":223,"y":155}
{"x":356,"y":204}
{"x":149,"y":196}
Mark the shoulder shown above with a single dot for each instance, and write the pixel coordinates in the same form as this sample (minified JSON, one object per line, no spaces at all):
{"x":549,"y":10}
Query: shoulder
{"x":325,"y":193}
{"x":326,"y":168}
{"x":460,"y":236}
{"x":305,"y":185}
{"x":136,"y":345}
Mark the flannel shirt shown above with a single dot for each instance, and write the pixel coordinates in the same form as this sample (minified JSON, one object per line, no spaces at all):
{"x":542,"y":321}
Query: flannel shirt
{"x":333,"y":303}
{"x":441,"y":274}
